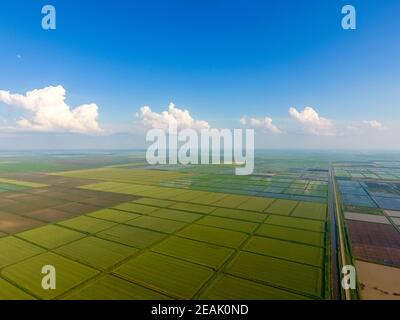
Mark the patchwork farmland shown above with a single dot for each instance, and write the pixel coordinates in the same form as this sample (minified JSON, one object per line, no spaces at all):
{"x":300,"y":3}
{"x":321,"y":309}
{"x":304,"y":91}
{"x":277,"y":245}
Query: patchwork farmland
{"x":370,"y":194}
{"x":115,"y":228}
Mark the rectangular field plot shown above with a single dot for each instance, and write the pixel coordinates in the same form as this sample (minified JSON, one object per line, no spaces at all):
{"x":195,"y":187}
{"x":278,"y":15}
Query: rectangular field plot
{"x":22,"y":183}
{"x":295,"y":191}
{"x":231,"y":201}
{"x":27,"y":274}
{"x":156,"y":191}
{"x":40,"y":202}
{"x":95,"y":252}
{"x":51,"y":236}
{"x":376,"y":254}
{"x":188,"y":195}
{"x":101,"y":202}
{"x":297,"y":223}
{"x":159,"y":192}
{"x":375,"y":234}
{"x":114,"y":215}
{"x":276,"y":272}
{"x":239,"y":214}
{"x":225,"y":223}
{"x":10,"y":292}
{"x":135,"y":208}
{"x":394,"y":214}
{"x":274,"y":189}
{"x":315,"y":193}
{"x":132,"y":236}
{"x":124,"y":175}
{"x":77,"y":208}
{"x":198,"y":208}
{"x":140,"y":190}
{"x":286,"y":250}
{"x":282,"y":207}
{"x":115,"y":187}
{"x":310,"y":210}
{"x":354,"y":191}
{"x":373,"y":276}
{"x":12,"y":223}
{"x":375,"y":242}
{"x":13,"y":250}
{"x":366,"y":217}
{"x":213,"y":235}
{"x":354,"y":200}
{"x":87,"y":224}
{"x":176,"y":215}
{"x":174,"y":277}
{"x":388,"y":203}
{"x":193,"y":251}
{"x":209,"y":198}
{"x":157,"y":224}
{"x":256,"y":204}
{"x":227,"y":287}
{"x":113,"y":288}
{"x":290,"y":234}
{"x":17,"y":207}
{"x":49,"y":215}
{"x":61,"y":198}
{"x":154,"y":202}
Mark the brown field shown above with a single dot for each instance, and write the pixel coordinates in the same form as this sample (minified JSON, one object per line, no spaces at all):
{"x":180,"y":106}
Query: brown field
{"x":375,"y":242}
{"x":12,"y":223}
{"x":60,"y":200}
{"x":378,"y":282}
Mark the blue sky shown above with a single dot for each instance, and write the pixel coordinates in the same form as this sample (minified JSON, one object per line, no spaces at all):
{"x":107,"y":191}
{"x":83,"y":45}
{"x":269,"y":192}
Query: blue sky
{"x":221,"y":60}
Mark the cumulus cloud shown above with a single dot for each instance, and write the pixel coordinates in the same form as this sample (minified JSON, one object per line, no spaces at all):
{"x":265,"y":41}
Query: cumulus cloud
{"x":162,"y":120}
{"x":243,"y":120}
{"x":363,"y":127}
{"x":263,"y":123}
{"x":45,"y":110}
{"x":312,"y":122}
{"x":373,"y":124}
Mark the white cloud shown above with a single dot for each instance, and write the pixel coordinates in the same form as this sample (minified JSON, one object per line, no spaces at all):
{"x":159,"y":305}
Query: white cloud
{"x":364,"y":127}
{"x":243,"y":120}
{"x":312,"y":122}
{"x":373,"y":124}
{"x":263,"y":123}
{"x":163,"y":119}
{"x":46,"y":111}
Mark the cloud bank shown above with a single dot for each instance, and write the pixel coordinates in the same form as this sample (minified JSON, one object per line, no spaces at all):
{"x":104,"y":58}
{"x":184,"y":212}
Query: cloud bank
{"x":373,"y":124}
{"x":45,"y":110}
{"x":313,"y":124}
{"x":162,"y":120}
{"x":264,"y":123}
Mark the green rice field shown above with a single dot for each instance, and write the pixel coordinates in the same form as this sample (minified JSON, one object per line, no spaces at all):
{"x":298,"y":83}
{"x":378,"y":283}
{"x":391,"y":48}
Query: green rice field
{"x":132,"y":232}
